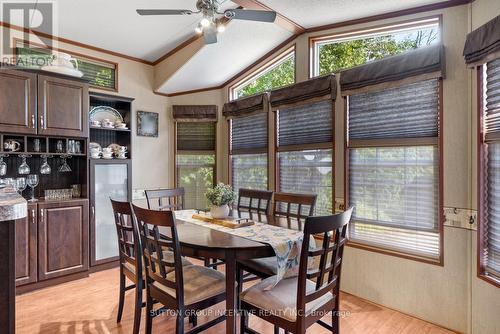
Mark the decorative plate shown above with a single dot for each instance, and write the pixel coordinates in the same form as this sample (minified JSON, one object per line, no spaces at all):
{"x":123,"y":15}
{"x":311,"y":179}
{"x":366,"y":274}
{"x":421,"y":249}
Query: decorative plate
{"x":94,"y":145}
{"x":101,"y":113}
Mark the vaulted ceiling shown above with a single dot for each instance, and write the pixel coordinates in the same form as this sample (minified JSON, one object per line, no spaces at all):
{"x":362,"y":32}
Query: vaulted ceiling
{"x":115,"y":26}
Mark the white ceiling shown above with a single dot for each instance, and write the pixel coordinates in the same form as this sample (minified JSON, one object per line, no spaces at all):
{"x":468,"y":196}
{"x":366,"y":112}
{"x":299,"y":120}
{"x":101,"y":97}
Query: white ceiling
{"x":238,"y":47}
{"x":312,"y":13}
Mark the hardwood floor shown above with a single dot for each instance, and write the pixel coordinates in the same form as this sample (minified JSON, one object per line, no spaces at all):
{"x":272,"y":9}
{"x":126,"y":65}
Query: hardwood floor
{"x":89,"y":306}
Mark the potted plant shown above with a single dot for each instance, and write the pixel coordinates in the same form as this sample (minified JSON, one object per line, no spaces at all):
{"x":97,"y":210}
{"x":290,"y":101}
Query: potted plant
{"x":220,"y":197}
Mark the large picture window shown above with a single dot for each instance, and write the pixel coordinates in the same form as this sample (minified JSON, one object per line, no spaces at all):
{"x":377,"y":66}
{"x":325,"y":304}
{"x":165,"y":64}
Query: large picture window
{"x":489,"y":197}
{"x":342,"y":51}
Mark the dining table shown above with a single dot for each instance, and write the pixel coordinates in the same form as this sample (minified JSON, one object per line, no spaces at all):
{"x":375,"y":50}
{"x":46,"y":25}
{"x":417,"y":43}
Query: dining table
{"x":205,"y":242}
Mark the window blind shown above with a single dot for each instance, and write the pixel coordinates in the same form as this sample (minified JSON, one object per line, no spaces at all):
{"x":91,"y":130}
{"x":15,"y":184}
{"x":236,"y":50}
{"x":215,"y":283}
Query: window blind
{"x":249,"y":171}
{"x":196,"y":174}
{"x":305,"y":124}
{"x":395,"y":189}
{"x":308,"y":172}
{"x":98,"y":74}
{"x":402,"y":112}
{"x":490,"y":251}
{"x":196,"y":136}
{"x":249,"y":133}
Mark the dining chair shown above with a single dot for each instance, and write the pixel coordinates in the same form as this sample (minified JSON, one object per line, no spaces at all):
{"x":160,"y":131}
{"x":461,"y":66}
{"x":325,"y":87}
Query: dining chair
{"x":254,"y":201}
{"x":287,"y":205}
{"x":183,"y":289}
{"x":166,"y":199}
{"x":297,"y":303}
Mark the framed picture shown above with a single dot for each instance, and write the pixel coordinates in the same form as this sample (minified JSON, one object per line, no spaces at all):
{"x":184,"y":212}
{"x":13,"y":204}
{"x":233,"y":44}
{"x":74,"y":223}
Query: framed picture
{"x":147,"y":124}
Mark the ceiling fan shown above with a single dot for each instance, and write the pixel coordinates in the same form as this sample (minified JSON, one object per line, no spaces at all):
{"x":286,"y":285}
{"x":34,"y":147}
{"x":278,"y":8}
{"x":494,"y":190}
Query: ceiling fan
{"x":212,"y":21}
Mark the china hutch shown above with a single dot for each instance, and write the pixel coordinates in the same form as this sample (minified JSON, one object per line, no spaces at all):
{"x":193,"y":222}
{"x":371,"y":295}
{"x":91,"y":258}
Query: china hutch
{"x":44,"y":121}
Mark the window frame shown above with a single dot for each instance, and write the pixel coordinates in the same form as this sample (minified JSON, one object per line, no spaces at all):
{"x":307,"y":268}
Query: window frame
{"x":194,"y":152}
{"x":481,"y":184}
{"x":264,"y":69}
{"x":440,"y":260}
{"x":92,"y":59}
{"x":304,"y":147}
{"x":370,"y":31}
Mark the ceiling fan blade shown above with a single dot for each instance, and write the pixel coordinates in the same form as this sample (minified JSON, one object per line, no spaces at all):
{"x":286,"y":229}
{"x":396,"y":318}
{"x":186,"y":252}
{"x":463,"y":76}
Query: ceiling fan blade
{"x":164,"y":11}
{"x":250,"y":15}
{"x":210,"y":35}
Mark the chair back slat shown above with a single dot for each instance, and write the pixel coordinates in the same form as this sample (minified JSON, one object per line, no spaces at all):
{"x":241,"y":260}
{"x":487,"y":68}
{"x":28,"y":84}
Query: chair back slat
{"x":127,"y":234}
{"x":333,"y":229}
{"x":154,"y":244}
{"x":297,"y":206}
{"x":254,"y":201}
{"x":166,"y":199}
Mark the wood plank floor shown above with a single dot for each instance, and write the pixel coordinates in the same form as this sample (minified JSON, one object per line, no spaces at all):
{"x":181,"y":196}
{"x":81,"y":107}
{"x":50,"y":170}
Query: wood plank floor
{"x":89,"y":306}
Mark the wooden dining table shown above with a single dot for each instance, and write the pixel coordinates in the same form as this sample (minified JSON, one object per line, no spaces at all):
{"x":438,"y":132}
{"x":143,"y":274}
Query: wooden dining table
{"x":199,"y":241}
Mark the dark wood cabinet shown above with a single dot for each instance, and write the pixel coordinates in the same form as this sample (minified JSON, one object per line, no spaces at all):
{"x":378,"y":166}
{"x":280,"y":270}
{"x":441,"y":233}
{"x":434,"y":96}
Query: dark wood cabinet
{"x":62,"y":107}
{"x":62,"y":238}
{"x":18,"y":93}
{"x":26,"y":247}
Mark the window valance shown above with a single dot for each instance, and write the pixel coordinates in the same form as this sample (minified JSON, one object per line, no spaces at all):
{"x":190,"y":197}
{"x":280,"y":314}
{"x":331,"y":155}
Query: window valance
{"x":313,"y":90}
{"x":195,"y":113}
{"x":246,"y":106}
{"x":483,"y":44}
{"x":412,"y":66}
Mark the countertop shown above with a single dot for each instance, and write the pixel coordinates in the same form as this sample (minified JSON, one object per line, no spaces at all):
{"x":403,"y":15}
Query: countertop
{"x":12,"y":205}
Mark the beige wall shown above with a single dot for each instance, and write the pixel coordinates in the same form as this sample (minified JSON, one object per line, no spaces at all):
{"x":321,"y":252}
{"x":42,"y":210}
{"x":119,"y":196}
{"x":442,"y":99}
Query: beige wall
{"x":448,"y":295}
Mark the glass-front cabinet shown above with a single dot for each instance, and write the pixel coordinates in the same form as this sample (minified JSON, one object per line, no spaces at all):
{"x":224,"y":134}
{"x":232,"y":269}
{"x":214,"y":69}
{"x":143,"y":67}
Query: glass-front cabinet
{"x":111,"y":180}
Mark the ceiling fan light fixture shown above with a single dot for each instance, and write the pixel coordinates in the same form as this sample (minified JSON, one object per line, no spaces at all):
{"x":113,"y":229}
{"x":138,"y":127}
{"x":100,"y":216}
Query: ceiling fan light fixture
{"x":205,"y":22}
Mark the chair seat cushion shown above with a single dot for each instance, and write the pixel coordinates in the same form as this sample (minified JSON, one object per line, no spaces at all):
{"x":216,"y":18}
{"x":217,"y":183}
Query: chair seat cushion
{"x":281,"y":301}
{"x":167,"y":256}
{"x":266,"y":265}
{"x":200,"y":283}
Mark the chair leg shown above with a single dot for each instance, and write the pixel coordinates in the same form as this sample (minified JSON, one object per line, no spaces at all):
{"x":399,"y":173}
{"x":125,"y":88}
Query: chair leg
{"x":193,"y":319}
{"x":276,"y":330}
{"x":138,"y":307}
{"x":239,"y":280}
{"x":179,"y":323}
{"x":122,"y":297}
{"x":206,"y":262}
{"x":335,"y":323}
{"x":149,"y":316}
{"x":243,"y":322}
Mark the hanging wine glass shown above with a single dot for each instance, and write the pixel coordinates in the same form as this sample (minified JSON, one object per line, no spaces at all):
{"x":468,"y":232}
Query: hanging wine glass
{"x":3,"y":165}
{"x":65,"y":168}
{"x":32,"y":183}
{"x":45,"y":167}
{"x":24,"y":169}
{"x":21,"y":184}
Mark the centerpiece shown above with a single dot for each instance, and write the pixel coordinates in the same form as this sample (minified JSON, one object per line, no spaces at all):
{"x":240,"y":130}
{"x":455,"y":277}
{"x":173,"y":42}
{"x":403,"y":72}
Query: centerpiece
{"x":220,"y":197}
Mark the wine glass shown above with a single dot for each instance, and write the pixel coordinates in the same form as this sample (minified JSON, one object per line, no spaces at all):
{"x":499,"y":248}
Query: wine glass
{"x":32,"y":183}
{"x":45,"y":167}
{"x":65,"y":168}
{"x":24,"y":169}
{"x":20,"y":184}
{"x":3,"y":165}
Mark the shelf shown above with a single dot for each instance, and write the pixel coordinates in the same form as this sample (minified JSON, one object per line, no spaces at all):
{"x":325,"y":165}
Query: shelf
{"x":44,"y":153}
{"x":109,"y":129}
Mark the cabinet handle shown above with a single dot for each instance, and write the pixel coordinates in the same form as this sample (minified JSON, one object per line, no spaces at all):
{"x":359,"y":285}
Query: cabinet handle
{"x":41,"y":216}
{"x":42,"y":123}
{"x":93,"y":212}
{"x":33,"y":121}
{"x":33,"y":215}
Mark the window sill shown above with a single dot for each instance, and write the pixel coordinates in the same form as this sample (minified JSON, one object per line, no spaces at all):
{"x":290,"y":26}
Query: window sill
{"x":489,"y":279}
{"x":407,"y":256}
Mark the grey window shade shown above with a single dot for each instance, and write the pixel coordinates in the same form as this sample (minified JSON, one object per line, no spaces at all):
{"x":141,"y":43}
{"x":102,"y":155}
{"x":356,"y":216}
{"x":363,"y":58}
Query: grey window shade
{"x":196,"y":174}
{"x":249,"y":171}
{"x":305,"y":124}
{"x":196,"y":136}
{"x":490,"y":251}
{"x":308,"y":172}
{"x":394,"y":191}
{"x":249,"y":134}
{"x":409,"y":111}
{"x":100,"y":75}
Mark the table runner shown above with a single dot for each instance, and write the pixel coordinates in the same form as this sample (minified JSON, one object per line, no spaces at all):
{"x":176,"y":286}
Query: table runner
{"x":285,"y":242}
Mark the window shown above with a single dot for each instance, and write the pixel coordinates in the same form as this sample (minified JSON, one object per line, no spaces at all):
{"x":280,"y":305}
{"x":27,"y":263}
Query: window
{"x":100,"y":74}
{"x":334,"y":53}
{"x":248,"y":152}
{"x":393,"y":176}
{"x":195,"y":161}
{"x":278,"y":73}
{"x":489,"y":197}
{"x":305,"y":141}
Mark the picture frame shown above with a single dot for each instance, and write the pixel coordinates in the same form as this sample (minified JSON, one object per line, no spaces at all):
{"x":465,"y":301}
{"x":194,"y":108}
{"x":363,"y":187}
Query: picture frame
{"x":147,"y":124}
